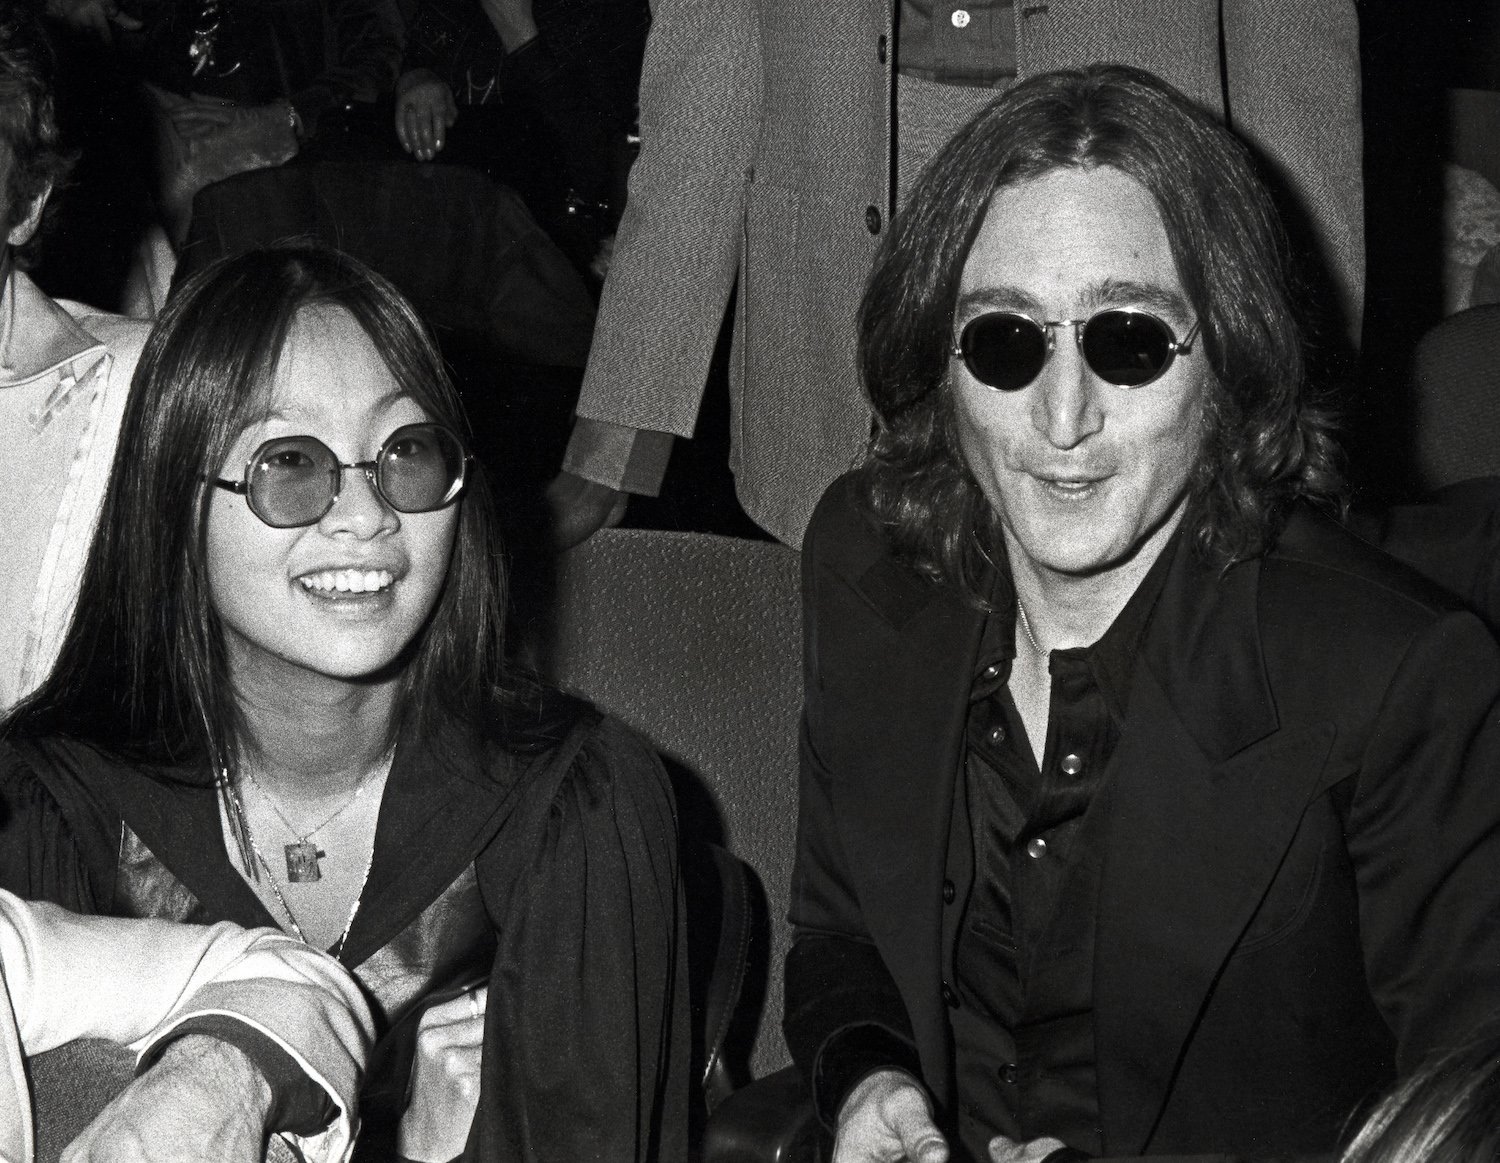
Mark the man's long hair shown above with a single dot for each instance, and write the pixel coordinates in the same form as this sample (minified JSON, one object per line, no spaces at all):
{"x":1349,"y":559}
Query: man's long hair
{"x":1268,"y":441}
{"x":143,"y":671}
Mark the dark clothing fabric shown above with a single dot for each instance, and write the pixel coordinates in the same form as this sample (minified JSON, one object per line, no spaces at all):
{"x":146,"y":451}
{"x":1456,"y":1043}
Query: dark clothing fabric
{"x":318,"y":54}
{"x":1017,"y":839}
{"x":599,"y":41}
{"x":1291,"y":861}
{"x":550,"y":875}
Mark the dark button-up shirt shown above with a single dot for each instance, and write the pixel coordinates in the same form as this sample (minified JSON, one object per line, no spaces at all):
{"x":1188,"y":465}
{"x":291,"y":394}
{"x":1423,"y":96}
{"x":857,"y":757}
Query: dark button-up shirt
{"x":957,"y":42}
{"x":1023,"y":837}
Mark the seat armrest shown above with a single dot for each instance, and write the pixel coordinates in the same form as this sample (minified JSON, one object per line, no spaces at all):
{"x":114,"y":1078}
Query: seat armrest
{"x":769,"y":1121}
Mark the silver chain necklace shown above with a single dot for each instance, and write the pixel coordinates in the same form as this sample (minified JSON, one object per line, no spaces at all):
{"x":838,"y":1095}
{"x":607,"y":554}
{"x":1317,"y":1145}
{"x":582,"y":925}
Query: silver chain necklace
{"x":244,"y":827}
{"x":1026,"y":628}
{"x":303,"y":855}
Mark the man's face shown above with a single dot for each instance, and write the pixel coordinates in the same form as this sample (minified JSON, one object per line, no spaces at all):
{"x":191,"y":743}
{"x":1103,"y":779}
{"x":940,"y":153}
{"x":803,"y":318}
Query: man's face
{"x":1083,"y":474}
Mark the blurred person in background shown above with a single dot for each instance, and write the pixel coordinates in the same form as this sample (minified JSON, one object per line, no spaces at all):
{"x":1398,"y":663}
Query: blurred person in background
{"x":64,"y":376}
{"x":779,"y":137}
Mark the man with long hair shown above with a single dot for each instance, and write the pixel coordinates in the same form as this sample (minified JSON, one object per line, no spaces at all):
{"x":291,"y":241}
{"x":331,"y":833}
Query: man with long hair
{"x":1144,"y":810}
{"x":64,"y":375}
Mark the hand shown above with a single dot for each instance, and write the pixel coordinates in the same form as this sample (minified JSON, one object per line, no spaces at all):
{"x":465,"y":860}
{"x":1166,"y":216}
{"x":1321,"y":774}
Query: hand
{"x":425,"y":110}
{"x":885,"y":1119}
{"x":445,"y":1079}
{"x":1003,"y":1150}
{"x":99,"y":17}
{"x":581,"y":507}
{"x":203,"y":1099}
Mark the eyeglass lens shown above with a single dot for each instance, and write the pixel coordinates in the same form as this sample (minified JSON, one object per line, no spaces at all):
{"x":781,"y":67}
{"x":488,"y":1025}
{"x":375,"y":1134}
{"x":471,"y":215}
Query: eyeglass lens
{"x":1007,"y":351}
{"x":294,"y":480}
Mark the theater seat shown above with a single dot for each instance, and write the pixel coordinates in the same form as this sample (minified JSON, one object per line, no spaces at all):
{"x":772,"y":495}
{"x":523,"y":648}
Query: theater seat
{"x":695,"y":641}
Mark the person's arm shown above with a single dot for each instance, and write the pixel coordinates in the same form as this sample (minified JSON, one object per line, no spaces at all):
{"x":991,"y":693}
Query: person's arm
{"x":676,"y":252}
{"x":161,"y":987}
{"x":845,"y":1022}
{"x":1423,"y":835}
{"x":604,"y":464}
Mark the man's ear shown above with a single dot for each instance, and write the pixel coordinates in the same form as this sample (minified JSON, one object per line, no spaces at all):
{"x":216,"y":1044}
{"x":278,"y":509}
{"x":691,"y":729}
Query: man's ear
{"x":21,"y":232}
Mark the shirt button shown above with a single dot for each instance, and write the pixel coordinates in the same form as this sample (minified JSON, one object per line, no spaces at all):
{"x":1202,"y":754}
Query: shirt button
{"x":960,"y":18}
{"x":881,"y":52}
{"x":949,"y":892}
{"x":872,"y":219}
{"x":1072,"y":764}
{"x":997,"y":735}
{"x":1036,"y":848}
{"x":950,"y":999}
{"x":1008,"y":1073}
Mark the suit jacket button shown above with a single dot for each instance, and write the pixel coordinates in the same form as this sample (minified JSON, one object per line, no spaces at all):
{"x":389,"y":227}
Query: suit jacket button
{"x":949,"y":892}
{"x":1008,"y":1073}
{"x":950,"y":999}
{"x":872,"y":219}
{"x":881,"y":52}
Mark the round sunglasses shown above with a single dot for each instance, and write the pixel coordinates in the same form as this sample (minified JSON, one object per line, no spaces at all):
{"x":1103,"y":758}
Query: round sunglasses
{"x":294,"y":480}
{"x":1006,"y":350}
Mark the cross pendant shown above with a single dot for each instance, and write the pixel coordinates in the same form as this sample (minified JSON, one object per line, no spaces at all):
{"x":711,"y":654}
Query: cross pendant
{"x":302,"y":862}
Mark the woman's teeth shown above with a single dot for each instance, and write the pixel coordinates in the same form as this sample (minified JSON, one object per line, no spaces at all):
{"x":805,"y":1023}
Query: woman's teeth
{"x":353,"y":581}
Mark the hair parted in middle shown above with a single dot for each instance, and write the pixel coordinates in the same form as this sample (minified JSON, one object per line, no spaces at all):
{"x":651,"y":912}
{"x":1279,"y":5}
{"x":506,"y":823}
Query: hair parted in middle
{"x":143,"y":671}
{"x":1269,"y":440}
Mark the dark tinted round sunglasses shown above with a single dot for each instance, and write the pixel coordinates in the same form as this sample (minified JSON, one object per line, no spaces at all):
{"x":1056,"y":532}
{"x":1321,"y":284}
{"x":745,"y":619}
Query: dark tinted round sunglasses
{"x":1007,"y":350}
{"x":294,"y":480}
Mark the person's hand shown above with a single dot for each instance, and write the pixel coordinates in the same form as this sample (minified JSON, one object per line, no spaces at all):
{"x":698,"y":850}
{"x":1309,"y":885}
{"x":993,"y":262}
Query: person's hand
{"x":202,"y":1099}
{"x":1003,"y":1150}
{"x":445,"y":1079}
{"x":885,"y":1119}
{"x":425,"y":111}
{"x":98,"y":17}
{"x":581,"y":507}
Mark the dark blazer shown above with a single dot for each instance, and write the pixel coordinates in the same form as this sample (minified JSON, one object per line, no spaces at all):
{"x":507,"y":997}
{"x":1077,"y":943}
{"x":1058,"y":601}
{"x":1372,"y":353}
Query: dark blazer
{"x":1301,"y":842}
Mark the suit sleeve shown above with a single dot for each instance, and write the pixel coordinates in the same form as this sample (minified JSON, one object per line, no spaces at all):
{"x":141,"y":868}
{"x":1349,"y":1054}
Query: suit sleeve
{"x":137,"y":981}
{"x":844,"y":1014}
{"x":1424,"y":836}
{"x":677,"y":248}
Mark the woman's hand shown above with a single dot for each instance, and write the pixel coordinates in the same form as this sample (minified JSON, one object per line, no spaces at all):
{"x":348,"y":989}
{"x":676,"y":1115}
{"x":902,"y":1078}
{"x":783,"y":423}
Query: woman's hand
{"x":445,"y":1079}
{"x":425,"y":110}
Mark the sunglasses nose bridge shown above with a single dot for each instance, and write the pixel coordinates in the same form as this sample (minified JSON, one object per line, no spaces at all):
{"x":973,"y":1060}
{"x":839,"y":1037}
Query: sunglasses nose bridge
{"x":370,"y":469}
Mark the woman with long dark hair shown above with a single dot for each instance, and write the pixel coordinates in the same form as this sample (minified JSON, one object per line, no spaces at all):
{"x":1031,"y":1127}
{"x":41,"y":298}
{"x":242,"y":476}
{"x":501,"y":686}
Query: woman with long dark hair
{"x":282,"y":700}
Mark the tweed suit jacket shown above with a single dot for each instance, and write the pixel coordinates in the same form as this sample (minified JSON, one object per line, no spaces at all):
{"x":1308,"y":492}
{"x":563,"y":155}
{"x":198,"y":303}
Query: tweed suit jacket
{"x":766,"y":157}
{"x":1300,"y":836}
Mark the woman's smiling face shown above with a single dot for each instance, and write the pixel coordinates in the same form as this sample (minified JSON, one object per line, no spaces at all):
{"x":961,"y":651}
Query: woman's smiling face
{"x":340,"y":598}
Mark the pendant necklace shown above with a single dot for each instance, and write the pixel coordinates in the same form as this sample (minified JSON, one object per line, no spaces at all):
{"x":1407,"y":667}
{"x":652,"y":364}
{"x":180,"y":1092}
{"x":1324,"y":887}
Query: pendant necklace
{"x":240,"y":826}
{"x":302,"y":855}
